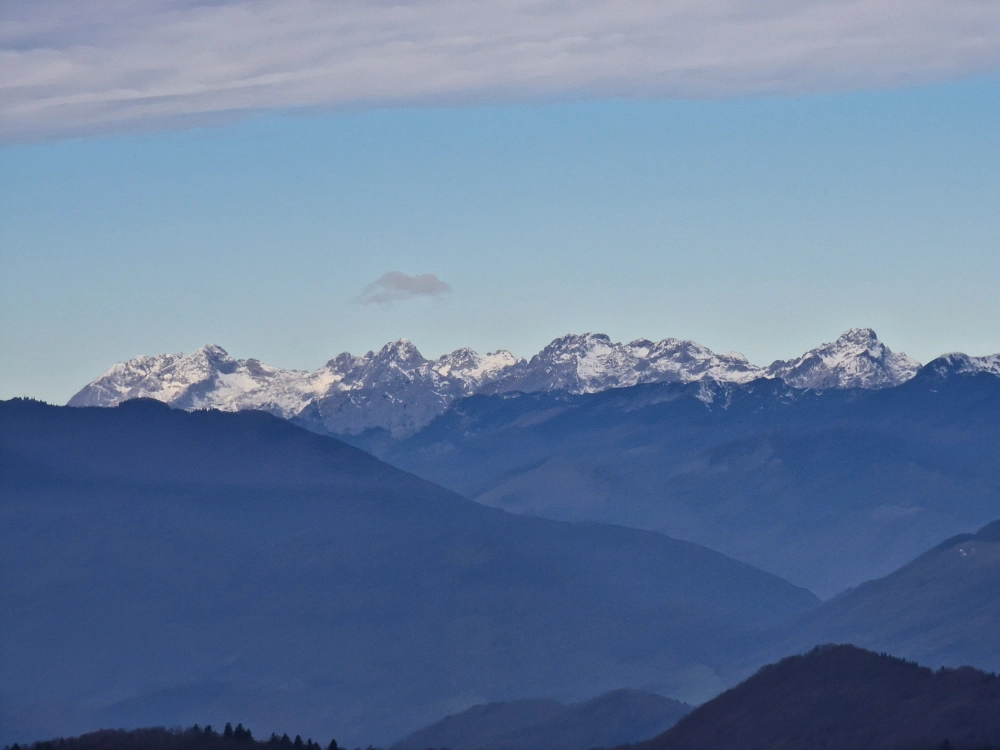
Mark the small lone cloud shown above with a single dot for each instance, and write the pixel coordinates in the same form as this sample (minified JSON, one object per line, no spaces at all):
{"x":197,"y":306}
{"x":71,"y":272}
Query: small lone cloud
{"x":397,"y":286}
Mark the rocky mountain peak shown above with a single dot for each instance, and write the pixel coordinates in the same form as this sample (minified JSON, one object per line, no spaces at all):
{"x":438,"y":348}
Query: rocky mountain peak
{"x":857,"y":359}
{"x":573,"y":346}
{"x":209,"y":358}
{"x":212,"y":352}
{"x":401,"y":351}
{"x":855,"y":336}
{"x":342,"y":362}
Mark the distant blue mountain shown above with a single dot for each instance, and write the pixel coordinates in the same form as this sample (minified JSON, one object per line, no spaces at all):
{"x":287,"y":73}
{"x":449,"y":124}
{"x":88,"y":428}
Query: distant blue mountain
{"x":162,"y":567}
{"x":942,"y":609}
{"x":608,"y":720}
{"x":826,"y":488}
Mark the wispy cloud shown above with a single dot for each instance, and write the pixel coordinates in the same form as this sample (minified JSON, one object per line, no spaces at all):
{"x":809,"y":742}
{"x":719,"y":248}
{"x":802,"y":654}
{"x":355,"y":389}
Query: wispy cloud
{"x":93,"y":66}
{"x":397,"y":286}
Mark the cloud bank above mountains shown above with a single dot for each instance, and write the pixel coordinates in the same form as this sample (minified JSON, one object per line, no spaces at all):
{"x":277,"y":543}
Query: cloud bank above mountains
{"x":77,"y":67}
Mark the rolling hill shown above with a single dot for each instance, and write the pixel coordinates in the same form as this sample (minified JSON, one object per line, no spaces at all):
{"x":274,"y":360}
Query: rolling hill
{"x":162,"y":567}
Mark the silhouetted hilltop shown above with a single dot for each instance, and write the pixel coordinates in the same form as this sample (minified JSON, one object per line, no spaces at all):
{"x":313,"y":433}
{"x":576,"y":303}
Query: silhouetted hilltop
{"x":845,"y":698}
{"x":611,"y":719}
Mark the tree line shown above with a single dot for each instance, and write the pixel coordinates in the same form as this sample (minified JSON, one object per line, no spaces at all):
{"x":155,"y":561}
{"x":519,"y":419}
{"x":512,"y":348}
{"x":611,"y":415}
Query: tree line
{"x":161,"y":738}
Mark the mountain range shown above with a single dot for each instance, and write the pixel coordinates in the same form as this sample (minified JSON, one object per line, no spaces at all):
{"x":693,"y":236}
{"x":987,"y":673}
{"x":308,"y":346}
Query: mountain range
{"x":163,"y":567}
{"x":827,"y":470}
{"x":396,"y":389}
{"x":826,"y":488}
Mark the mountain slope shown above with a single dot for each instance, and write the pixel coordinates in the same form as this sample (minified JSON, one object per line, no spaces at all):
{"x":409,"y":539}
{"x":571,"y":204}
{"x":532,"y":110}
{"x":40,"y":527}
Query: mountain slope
{"x":396,"y":389}
{"x":941,"y":609}
{"x":845,"y":698}
{"x":608,"y":720}
{"x":827,"y":488}
{"x":161,"y":567}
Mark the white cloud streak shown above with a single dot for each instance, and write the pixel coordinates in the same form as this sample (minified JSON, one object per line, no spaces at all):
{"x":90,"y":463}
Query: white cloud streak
{"x":396,"y":286}
{"x":75,"y":67}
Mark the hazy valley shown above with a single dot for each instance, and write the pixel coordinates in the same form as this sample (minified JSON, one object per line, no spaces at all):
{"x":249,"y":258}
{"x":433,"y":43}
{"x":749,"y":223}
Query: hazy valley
{"x":565,"y":552}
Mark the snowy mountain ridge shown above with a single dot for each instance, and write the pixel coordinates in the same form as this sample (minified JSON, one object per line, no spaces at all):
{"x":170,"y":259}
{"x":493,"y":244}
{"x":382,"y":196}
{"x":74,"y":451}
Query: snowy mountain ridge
{"x":963,"y":364}
{"x":591,"y":362}
{"x":399,"y":390}
{"x":855,"y":360}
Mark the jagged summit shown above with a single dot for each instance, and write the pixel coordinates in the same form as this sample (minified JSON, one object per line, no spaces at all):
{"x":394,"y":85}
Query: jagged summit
{"x":397,"y":389}
{"x":591,"y":362}
{"x":855,"y":360}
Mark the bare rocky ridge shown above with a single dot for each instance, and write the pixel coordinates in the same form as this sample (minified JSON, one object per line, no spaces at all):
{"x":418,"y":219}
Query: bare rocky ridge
{"x":397,"y":389}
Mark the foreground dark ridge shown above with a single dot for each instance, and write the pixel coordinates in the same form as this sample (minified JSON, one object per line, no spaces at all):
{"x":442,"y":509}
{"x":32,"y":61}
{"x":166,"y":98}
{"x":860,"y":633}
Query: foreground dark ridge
{"x":840,"y":697}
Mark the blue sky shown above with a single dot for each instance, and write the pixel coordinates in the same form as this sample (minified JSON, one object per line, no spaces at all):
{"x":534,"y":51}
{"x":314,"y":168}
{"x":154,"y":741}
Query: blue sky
{"x":750,"y":220}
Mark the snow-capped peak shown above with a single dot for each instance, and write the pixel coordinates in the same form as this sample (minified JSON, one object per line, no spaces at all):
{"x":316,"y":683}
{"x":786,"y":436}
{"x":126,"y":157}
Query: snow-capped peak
{"x":473,"y":368}
{"x":114,"y":385}
{"x":401,"y":350}
{"x":592,"y":362}
{"x":397,"y":389}
{"x":211,"y":352}
{"x":857,"y":359}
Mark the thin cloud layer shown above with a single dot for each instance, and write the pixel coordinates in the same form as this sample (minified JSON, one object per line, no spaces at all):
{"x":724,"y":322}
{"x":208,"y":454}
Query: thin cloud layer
{"x":72,"y":67}
{"x":396,"y":286}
